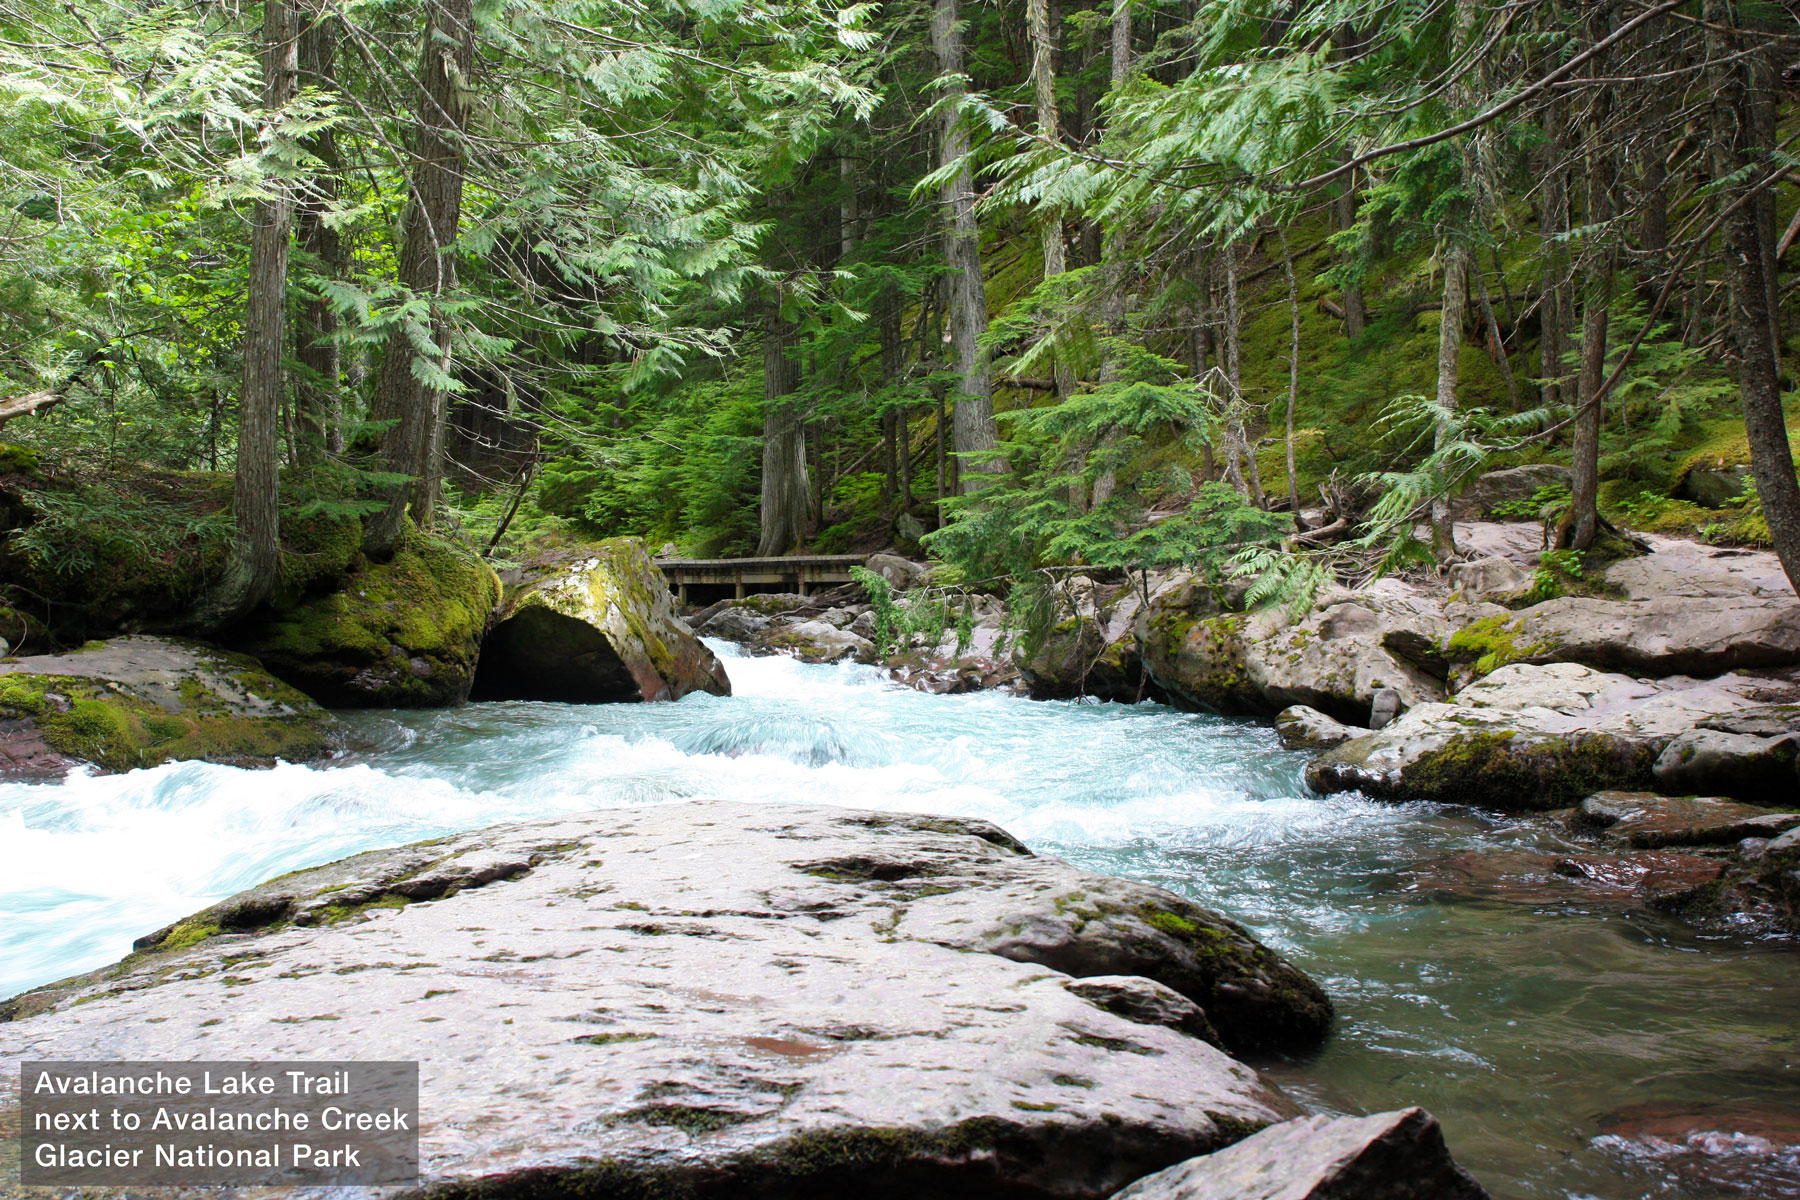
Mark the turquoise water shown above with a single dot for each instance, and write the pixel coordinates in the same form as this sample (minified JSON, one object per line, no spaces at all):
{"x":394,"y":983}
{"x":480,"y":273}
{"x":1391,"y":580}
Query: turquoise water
{"x":1572,"y":1047}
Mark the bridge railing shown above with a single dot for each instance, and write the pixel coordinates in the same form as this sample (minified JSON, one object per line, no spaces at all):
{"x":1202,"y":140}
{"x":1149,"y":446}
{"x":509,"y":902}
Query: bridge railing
{"x":795,"y":573}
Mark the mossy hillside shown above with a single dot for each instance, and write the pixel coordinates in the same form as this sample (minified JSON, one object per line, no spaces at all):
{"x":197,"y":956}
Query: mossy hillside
{"x":91,"y":550}
{"x":403,"y":634}
{"x":99,"y":721}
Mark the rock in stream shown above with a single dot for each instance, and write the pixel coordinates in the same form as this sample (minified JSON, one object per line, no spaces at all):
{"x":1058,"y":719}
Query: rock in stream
{"x":729,"y":1000}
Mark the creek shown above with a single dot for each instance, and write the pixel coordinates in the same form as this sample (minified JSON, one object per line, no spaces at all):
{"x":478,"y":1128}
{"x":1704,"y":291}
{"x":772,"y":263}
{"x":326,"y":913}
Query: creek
{"x":1573,"y":1047}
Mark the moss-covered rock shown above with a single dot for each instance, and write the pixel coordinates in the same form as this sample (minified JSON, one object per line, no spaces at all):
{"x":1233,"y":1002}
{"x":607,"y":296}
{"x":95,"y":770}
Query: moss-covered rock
{"x":1527,"y":738}
{"x":401,"y":634}
{"x":594,"y":624}
{"x":1335,"y":659}
{"x":1092,"y":648}
{"x":140,"y":701}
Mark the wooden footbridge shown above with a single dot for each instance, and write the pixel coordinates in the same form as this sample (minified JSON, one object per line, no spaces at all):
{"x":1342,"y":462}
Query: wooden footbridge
{"x":794,"y":573}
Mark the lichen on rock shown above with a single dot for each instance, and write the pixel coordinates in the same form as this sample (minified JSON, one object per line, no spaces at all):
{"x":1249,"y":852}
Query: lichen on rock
{"x":594,"y":624}
{"x":139,"y":701}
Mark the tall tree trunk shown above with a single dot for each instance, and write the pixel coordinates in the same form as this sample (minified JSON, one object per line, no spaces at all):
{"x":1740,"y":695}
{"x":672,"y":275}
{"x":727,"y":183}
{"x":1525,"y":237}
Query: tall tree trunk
{"x":427,"y":268}
{"x":1739,"y":134}
{"x":1450,"y":341}
{"x":975,"y":432}
{"x":786,"y":492}
{"x":1553,"y":223}
{"x":1496,"y":342}
{"x":1598,"y":268}
{"x":318,"y":401}
{"x":1241,"y":467}
{"x":1356,"y":314}
{"x":1049,"y":127}
{"x":1293,"y":396}
{"x":253,"y":563}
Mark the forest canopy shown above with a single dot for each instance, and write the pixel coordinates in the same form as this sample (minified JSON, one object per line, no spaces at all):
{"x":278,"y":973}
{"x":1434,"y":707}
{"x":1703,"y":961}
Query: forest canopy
{"x":1258,"y":284}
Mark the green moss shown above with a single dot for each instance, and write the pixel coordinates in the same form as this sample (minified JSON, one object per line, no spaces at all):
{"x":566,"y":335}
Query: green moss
{"x":118,"y":729}
{"x":188,"y":933}
{"x":1507,"y":770}
{"x":694,"y":1121}
{"x":1492,"y":643}
{"x":1117,"y":1045}
{"x":18,"y":460}
{"x":404,"y":633}
{"x":1168,"y":922}
{"x":333,"y":914}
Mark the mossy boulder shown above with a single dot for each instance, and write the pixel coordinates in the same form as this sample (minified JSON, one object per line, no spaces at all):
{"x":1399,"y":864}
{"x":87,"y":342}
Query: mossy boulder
{"x":594,"y":624}
{"x":401,"y":634}
{"x":1335,"y":659}
{"x":1528,"y":738}
{"x":1092,"y":649}
{"x":139,"y":701}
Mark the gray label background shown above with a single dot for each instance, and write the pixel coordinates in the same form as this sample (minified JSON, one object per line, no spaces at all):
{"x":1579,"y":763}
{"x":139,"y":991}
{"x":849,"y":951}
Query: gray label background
{"x":378,"y":1087}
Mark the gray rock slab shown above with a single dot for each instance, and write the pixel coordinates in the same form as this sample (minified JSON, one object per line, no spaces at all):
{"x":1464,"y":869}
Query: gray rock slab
{"x":1389,"y":1156}
{"x":728,"y":1000}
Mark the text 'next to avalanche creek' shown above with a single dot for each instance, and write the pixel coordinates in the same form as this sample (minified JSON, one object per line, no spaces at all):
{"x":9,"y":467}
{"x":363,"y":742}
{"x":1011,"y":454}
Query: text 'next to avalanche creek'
{"x":245,"y":1124}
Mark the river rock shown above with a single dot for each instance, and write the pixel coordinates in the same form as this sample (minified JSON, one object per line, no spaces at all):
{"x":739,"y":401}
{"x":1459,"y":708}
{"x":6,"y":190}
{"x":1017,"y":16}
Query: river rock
{"x":1679,"y":567}
{"x":139,"y":701}
{"x":1528,"y":738}
{"x":1488,"y":578}
{"x":1713,"y":487}
{"x":1389,"y":1156}
{"x":812,"y":640}
{"x":1649,"y":821}
{"x":594,"y":624}
{"x":1657,"y":877}
{"x":1711,"y":1150}
{"x":1335,"y":660}
{"x":865,"y":1003}
{"x":900,"y":573}
{"x":1091,"y":650}
{"x":1303,"y":728}
{"x":1753,"y":754}
{"x":1510,"y":486}
{"x":401,"y":634}
{"x":740,"y":620}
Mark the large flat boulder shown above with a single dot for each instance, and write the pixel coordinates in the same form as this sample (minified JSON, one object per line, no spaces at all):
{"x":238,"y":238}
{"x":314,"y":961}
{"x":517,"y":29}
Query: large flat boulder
{"x":1666,"y":635}
{"x":1512,"y":490}
{"x":1348,"y":648}
{"x":1529,"y":737}
{"x":1753,"y":754}
{"x":590,"y":625}
{"x":401,"y":634}
{"x":1389,"y":1156}
{"x":139,"y":701}
{"x":864,"y":1003}
{"x":1648,"y":821}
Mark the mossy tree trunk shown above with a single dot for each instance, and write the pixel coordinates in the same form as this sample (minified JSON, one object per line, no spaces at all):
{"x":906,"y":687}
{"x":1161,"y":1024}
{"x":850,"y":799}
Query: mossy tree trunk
{"x":318,"y":400}
{"x":1598,"y":270}
{"x":1450,"y":341}
{"x":254,"y":561}
{"x":409,"y":390}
